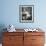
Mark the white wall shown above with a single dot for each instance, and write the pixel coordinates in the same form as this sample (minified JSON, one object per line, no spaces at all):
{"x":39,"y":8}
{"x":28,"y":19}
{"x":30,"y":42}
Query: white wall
{"x":10,"y":13}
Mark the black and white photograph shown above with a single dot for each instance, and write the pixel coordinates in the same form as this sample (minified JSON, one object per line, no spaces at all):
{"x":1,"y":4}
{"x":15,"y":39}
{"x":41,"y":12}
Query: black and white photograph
{"x":26,"y":13}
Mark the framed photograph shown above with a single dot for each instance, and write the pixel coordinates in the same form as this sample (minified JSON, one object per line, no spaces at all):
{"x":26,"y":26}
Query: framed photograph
{"x":26,"y":13}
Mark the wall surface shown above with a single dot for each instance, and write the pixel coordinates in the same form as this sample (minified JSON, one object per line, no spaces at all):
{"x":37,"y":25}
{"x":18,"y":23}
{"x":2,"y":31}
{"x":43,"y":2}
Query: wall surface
{"x":10,"y":13}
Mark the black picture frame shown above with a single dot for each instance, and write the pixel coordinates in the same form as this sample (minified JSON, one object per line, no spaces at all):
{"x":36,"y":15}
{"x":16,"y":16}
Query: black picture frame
{"x":26,"y":13}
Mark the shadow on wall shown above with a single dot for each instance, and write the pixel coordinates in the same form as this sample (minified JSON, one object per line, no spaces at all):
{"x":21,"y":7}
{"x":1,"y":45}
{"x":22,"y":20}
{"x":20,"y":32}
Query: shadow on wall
{"x":2,"y":26}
